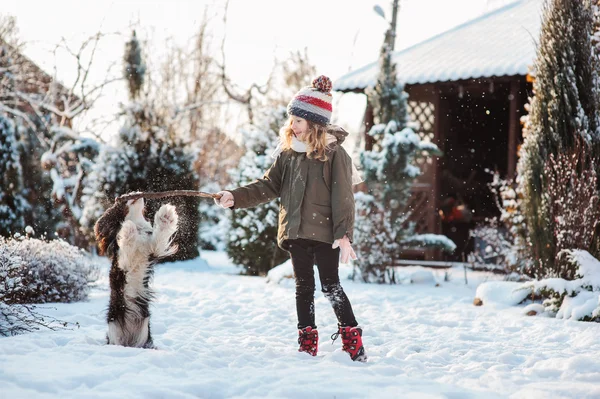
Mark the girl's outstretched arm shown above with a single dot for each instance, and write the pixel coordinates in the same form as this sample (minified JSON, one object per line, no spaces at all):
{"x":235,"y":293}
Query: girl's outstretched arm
{"x":260,"y":191}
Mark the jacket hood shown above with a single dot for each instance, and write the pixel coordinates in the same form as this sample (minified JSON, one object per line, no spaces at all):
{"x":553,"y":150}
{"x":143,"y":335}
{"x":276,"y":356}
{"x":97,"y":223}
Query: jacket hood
{"x":339,"y":133}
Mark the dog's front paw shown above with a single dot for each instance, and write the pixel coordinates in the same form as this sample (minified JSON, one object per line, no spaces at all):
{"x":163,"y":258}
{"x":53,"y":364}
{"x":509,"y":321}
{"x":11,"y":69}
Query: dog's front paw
{"x":127,"y":233}
{"x":166,"y":218}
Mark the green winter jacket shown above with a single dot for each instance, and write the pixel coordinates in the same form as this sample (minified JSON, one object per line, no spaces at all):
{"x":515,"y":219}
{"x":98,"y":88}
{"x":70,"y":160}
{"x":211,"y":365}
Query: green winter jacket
{"x":317,"y":201}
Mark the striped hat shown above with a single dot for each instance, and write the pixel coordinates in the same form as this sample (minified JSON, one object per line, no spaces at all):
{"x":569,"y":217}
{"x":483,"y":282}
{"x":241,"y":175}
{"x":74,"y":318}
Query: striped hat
{"x":313,"y":103}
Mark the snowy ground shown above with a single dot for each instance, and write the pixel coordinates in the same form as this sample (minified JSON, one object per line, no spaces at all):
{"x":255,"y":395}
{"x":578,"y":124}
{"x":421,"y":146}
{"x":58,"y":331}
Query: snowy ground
{"x":220,"y":335}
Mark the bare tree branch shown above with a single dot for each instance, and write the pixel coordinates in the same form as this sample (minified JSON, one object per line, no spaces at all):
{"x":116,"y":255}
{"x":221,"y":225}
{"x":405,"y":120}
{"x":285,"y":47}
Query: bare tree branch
{"x":20,"y":114}
{"x":247,"y":97}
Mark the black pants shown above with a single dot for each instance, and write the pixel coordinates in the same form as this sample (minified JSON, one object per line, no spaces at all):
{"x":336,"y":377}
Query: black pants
{"x":305,"y":254}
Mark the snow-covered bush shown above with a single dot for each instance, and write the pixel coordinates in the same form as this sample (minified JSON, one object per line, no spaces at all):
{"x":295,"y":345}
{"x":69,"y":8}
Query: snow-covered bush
{"x":11,"y":285}
{"x":577,"y":299}
{"x":499,"y":241}
{"x":572,"y":202}
{"x":379,"y":244}
{"x":36,"y":271}
{"x":574,"y":206}
{"x":374,"y":240}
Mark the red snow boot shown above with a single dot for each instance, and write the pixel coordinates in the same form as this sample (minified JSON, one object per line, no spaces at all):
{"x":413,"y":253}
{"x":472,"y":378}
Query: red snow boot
{"x":352,"y":342}
{"x":308,"y":338}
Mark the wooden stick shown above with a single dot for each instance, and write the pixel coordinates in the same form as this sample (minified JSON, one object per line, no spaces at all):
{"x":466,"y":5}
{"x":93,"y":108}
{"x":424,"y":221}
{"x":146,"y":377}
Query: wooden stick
{"x":174,"y":193}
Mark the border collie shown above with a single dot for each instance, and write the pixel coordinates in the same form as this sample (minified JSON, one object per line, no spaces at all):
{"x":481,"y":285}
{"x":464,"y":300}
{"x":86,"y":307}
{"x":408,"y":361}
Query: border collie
{"x":134,"y":247}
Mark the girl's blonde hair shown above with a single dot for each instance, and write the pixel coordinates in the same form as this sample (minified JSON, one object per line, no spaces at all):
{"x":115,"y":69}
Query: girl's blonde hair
{"x":315,"y":139}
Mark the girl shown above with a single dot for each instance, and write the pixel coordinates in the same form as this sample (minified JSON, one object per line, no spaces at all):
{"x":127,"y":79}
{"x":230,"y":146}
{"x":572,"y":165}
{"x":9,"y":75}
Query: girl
{"x":313,"y":177}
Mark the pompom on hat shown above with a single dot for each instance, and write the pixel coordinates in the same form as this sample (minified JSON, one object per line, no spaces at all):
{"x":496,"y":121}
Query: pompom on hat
{"x":313,"y":102}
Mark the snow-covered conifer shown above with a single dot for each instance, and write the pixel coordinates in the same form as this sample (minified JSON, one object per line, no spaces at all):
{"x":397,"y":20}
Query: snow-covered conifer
{"x":134,"y":68}
{"x":28,"y":131}
{"x":148,"y":156}
{"x":383,"y":219}
{"x":34,"y":271}
{"x":563,"y":112}
{"x":252,"y":240}
{"x":13,"y":204}
{"x":214,"y":223}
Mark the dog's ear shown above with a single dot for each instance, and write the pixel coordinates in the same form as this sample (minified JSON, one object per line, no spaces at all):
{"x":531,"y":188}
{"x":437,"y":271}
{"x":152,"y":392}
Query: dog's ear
{"x":107,"y":227}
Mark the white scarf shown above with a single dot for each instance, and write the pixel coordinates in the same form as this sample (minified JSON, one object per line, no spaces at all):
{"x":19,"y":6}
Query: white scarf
{"x":300,"y":146}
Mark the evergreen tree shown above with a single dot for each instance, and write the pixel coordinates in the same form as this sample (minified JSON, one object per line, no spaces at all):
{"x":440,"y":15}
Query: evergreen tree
{"x":13,"y":205}
{"x":215,"y":224}
{"x":252,"y":240}
{"x":134,"y":68}
{"x":148,"y":156}
{"x":42,"y":215}
{"x":563,"y":111}
{"x":145,"y":159}
{"x":68,"y":162}
{"x":383,"y":225}
{"x":36,"y":185}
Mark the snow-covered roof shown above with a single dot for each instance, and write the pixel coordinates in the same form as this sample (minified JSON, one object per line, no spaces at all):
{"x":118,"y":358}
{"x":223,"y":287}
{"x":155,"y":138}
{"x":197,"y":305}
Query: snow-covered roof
{"x":498,"y":43}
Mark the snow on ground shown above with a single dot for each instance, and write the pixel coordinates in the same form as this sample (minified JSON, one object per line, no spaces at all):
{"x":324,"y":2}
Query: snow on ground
{"x":220,"y":335}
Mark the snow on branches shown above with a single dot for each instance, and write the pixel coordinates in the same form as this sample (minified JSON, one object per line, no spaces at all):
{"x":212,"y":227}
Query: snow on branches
{"x":384,"y":221}
{"x":577,"y":299}
{"x":13,"y":204}
{"x":37,"y":271}
{"x":69,"y":160}
{"x":252,"y":240}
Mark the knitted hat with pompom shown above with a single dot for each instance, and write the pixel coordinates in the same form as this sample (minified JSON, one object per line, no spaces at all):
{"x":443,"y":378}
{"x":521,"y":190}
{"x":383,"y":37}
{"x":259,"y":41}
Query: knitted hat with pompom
{"x":313,"y":102}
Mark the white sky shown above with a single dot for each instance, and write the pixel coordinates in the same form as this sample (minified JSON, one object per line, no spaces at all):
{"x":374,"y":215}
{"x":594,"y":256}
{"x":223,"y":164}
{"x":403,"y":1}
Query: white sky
{"x":339,"y":34}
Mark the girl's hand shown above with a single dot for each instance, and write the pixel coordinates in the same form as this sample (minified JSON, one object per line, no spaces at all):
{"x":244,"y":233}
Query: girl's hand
{"x":226,"y":200}
{"x":346,"y":250}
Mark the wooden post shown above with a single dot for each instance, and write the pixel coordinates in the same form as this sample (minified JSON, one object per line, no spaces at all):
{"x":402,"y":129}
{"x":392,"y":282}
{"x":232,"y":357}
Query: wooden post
{"x":368,"y":120}
{"x":514,"y":126}
{"x":433,"y":222}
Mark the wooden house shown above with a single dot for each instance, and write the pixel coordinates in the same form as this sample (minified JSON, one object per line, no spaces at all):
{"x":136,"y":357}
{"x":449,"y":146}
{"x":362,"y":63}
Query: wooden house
{"x":467,"y":90}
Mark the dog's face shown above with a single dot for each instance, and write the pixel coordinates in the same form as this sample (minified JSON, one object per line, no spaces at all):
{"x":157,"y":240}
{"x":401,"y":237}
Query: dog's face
{"x":135,"y":210}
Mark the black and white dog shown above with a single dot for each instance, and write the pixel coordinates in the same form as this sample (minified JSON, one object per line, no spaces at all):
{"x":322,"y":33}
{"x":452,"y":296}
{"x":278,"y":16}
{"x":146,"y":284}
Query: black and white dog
{"x":134,"y":247}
